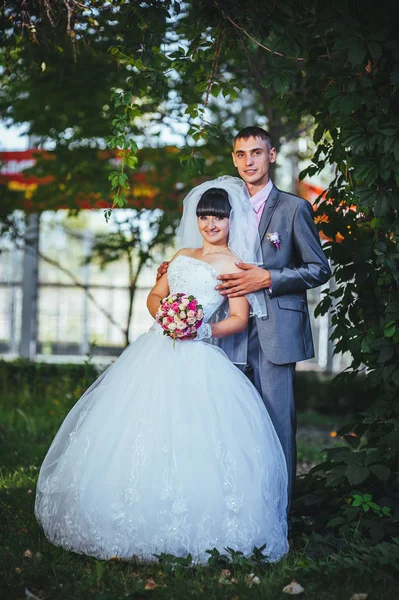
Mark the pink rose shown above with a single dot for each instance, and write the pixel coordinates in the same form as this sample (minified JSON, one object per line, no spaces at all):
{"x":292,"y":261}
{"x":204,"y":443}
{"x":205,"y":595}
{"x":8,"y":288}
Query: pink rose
{"x":192,"y":305}
{"x":175,"y":307}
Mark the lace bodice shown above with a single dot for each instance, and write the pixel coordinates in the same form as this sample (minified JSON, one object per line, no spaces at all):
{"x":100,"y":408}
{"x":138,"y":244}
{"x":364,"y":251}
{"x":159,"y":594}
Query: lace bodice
{"x":192,"y":276}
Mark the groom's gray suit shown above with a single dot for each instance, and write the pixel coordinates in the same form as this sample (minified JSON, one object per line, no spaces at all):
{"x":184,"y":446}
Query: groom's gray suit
{"x":278,"y":341}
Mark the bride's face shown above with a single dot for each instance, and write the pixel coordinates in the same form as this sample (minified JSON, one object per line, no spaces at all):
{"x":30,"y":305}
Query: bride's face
{"x":214,"y":230}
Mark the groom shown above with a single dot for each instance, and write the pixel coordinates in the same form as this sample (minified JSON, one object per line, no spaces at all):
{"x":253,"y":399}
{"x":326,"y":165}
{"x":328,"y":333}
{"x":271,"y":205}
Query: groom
{"x":293,"y":262}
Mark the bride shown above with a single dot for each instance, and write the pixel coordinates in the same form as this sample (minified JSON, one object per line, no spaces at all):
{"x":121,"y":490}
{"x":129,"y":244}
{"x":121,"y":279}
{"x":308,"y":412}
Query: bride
{"x":172,"y":449}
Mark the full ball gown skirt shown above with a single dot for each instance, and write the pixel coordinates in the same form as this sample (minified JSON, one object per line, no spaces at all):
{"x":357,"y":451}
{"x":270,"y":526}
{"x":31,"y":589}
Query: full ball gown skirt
{"x":170,"y":450}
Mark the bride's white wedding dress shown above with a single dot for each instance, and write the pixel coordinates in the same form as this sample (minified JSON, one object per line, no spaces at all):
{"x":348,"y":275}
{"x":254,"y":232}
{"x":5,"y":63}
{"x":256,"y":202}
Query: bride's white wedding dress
{"x":170,"y":450}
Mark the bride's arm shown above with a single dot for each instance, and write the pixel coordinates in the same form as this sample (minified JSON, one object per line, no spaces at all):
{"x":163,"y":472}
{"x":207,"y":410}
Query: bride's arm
{"x":157,"y":294}
{"x":236,"y":322}
{"x":160,"y":289}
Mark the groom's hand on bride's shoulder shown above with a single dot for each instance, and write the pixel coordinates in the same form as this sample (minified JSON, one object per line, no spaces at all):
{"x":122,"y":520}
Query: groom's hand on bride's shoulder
{"x":162,"y":269}
{"x":251,"y":278}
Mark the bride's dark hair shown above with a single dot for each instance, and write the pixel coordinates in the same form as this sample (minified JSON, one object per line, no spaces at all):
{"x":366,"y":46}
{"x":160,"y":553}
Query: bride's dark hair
{"x":214,"y":203}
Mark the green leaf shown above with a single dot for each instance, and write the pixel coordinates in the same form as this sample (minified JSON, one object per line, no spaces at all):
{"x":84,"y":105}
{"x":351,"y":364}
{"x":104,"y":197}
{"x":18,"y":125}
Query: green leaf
{"x":356,"y":474}
{"x":375,"y":50}
{"x":335,"y":475}
{"x":389,"y":329}
{"x":193,"y":163}
{"x":391,"y":440}
{"x":348,"y":457}
{"x":357,"y":53}
{"x":319,"y":132}
{"x":132,"y":161}
{"x":365,"y":345}
{"x":386,"y":353}
{"x":367,"y":196}
{"x":335,"y":521}
{"x":281,"y":84}
{"x":389,"y":131}
{"x":346,"y":104}
{"x":393,"y":307}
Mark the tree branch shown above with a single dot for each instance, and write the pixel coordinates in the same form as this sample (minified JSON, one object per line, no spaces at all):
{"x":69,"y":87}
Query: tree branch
{"x":298,"y":59}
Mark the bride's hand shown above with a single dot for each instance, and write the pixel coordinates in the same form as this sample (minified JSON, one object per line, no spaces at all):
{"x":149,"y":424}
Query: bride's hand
{"x":192,"y":336}
{"x":162,"y":269}
{"x":203,"y":333}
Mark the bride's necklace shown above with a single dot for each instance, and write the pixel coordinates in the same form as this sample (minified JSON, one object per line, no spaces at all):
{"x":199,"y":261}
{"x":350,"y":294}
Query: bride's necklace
{"x":205,"y":252}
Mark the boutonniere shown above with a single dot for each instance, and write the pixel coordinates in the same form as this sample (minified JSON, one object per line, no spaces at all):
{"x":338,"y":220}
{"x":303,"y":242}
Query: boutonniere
{"x":274,"y":238}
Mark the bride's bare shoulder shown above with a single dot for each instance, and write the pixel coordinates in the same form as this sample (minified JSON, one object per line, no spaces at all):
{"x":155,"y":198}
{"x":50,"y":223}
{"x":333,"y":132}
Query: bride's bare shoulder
{"x":227,"y":263}
{"x":233,"y":260}
{"x":184,"y":252}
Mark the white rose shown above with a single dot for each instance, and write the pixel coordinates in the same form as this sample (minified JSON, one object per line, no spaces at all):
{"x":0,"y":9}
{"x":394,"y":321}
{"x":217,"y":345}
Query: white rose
{"x":190,"y":314}
{"x":171,"y":312}
{"x":172,"y":326}
{"x":181,"y":326}
{"x":191,"y":321}
{"x":185,"y":301}
{"x":200,"y":313}
{"x":182,"y":315}
{"x":177,"y":319}
{"x":165,"y":321}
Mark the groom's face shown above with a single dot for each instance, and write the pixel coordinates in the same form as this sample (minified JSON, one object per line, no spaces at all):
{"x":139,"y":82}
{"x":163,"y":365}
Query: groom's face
{"x":252,"y":158}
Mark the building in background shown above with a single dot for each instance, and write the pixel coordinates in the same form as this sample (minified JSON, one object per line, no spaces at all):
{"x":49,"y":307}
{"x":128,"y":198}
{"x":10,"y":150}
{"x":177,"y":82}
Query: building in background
{"x":55,"y":305}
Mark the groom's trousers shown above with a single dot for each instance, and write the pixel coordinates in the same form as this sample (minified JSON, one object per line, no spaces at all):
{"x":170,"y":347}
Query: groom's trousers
{"x":275,"y":383}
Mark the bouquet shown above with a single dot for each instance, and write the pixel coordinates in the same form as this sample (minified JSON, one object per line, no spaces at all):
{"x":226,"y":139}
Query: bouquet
{"x":179,"y":315}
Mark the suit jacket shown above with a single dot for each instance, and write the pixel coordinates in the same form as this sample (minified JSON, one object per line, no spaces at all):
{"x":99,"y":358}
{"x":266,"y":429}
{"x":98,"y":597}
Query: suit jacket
{"x":300,"y":264}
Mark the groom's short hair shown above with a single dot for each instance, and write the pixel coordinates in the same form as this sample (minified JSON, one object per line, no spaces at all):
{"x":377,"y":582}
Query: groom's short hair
{"x":254,"y":131}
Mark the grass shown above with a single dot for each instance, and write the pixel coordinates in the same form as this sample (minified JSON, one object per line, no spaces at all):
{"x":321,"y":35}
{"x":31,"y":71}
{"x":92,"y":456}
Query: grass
{"x":29,"y":417}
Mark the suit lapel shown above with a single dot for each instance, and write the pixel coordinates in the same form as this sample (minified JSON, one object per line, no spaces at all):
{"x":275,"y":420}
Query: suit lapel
{"x":268,"y":211}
